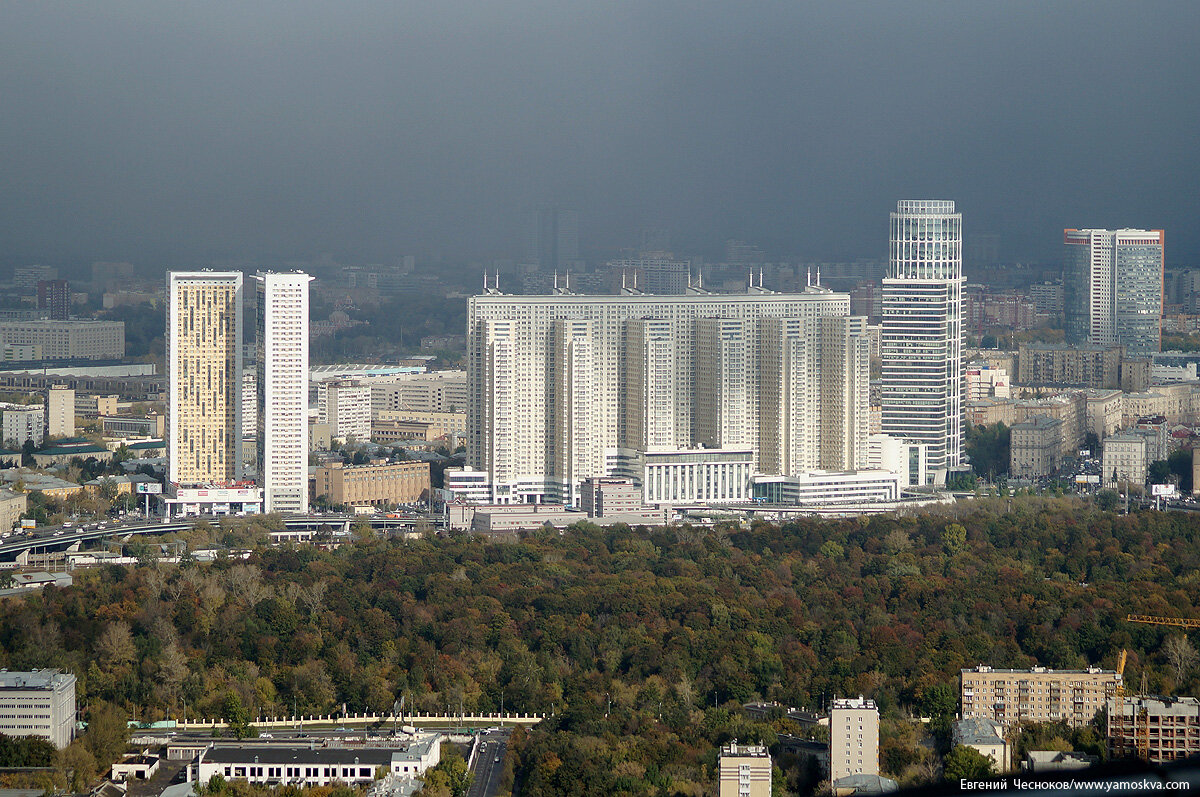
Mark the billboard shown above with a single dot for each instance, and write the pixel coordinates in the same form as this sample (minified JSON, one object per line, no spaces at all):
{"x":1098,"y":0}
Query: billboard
{"x":1163,"y":490}
{"x":149,"y":488}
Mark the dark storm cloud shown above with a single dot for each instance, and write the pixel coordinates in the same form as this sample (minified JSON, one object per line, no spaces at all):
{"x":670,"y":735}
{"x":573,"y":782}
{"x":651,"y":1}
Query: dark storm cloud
{"x":186,"y":131}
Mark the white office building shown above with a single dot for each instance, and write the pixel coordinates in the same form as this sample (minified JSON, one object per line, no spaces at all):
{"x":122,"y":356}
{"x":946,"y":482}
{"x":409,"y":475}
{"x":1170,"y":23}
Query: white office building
{"x":921,"y":340}
{"x":39,"y":703}
{"x":558,"y":382}
{"x":204,"y":377}
{"x":282,"y":386}
{"x":1113,"y":288}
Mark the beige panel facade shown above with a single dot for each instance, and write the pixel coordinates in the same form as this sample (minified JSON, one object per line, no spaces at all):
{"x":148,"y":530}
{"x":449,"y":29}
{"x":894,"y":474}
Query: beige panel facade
{"x":372,"y":485}
{"x":204,"y":365}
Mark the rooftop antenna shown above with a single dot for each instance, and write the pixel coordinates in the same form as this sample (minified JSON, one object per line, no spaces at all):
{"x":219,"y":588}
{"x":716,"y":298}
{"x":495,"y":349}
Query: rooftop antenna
{"x":818,"y":276}
{"x":760,"y":275}
{"x":556,"y":280}
{"x":497,"y":286}
{"x":622,"y":279}
{"x":568,"y":280}
{"x":700,"y":277}
{"x":808,"y":277}
{"x":485,"y":280}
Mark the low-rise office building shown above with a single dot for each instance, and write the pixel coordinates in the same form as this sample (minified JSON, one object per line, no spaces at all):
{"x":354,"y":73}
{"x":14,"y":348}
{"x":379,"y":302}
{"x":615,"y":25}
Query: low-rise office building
{"x":377,"y":484}
{"x":62,"y":340}
{"x":308,"y":765}
{"x":39,"y":703}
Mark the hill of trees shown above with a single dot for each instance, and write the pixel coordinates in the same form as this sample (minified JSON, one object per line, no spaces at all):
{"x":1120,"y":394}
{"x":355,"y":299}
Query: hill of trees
{"x":643,"y":643}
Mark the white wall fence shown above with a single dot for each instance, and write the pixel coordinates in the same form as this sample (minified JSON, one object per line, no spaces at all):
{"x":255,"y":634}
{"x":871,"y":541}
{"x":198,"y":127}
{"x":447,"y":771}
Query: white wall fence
{"x":363,"y":720}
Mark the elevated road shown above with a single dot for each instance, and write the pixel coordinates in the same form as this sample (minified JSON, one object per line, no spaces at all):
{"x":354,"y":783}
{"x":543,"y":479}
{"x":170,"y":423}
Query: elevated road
{"x":58,"y":538}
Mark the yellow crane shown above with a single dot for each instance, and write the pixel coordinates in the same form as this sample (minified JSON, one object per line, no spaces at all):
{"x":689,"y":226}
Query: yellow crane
{"x":1142,"y":734}
{"x":1150,"y":619}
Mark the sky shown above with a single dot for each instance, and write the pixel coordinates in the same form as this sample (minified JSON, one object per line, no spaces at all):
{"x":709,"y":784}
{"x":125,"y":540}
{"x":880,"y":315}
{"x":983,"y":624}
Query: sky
{"x":192,"y":131}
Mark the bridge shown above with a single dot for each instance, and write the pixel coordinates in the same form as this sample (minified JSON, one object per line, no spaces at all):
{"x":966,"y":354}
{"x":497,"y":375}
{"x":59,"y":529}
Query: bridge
{"x":299,"y":528}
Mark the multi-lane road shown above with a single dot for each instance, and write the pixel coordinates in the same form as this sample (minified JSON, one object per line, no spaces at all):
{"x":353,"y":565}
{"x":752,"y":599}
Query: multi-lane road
{"x":489,"y":763}
{"x":59,"y":538}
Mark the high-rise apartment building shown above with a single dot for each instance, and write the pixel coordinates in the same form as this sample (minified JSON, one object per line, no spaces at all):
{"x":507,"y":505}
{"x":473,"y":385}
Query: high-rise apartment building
{"x":853,"y":738}
{"x":655,"y":275}
{"x":204,"y":377}
{"x":346,"y":406}
{"x":559,"y":384}
{"x":282,"y":386}
{"x":1113,"y":287}
{"x":552,"y":239}
{"x":921,"y":339}
{"x":60,"y":411}
{"x":54,"y":296}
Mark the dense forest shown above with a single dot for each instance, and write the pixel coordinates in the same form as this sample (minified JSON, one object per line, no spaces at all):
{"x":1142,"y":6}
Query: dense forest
{"x":642,"y":643}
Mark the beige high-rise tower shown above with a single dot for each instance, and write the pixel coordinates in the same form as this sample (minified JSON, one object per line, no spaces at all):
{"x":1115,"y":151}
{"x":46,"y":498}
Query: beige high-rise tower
{"x":204,"y":377}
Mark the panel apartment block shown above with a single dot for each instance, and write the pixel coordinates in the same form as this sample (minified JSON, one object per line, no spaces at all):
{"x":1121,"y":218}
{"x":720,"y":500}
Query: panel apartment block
{"x":204,"y":377}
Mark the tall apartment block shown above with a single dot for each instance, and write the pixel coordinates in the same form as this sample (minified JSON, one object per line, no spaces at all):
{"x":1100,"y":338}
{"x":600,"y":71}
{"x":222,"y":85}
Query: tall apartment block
{"x":204,"y":377}
{"x":346,"y":406}
{"x":1113,"y":288}
{"x":54,"y":296}
{"x":282,"y":386}
{"x":922,"y":335}
{"x":853,"y":738}
{"x":744,"y":770}
{"x":1036,"y":695}
{"x":39,"y":703}
{"x":561,"y":385}
{"x":60,"y":411}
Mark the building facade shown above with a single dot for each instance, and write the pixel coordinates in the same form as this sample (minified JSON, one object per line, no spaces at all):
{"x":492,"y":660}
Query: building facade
{"x":377,"y":484}
{"x":1157,"y":729}
{"x":60,"y":411}
{"x":22,"y":422}
{"x":853,"y":738}
{"x":1036,"y":695}
{"x":39,"y":703}
{"x":76,"y":339}
{"x":282,"y":386}
{"x":346,"y":406}
{"x":1113,"y":287}
{"x":744,"y":770}
{"x":54,"y":296}
{"x":557,"y":382}
{"x":1035,"y":446}
{"x":204,"y":370}
{"x":922,"y":336}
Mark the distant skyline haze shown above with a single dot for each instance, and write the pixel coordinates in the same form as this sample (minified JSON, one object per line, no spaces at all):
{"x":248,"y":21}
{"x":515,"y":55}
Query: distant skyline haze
{"x":182,"y":133}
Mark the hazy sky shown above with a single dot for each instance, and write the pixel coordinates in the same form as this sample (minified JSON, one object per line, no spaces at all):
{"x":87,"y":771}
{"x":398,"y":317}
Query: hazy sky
{"x":185,"y":131}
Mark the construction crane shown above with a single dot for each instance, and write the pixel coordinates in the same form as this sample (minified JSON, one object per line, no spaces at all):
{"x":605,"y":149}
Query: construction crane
{"x":1142,"y":733}
{"x":1150,"y":619}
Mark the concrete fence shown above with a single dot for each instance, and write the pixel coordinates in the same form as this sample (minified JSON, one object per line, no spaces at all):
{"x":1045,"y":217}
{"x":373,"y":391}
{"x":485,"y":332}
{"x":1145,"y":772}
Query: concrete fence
{"x":363,"y":720}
